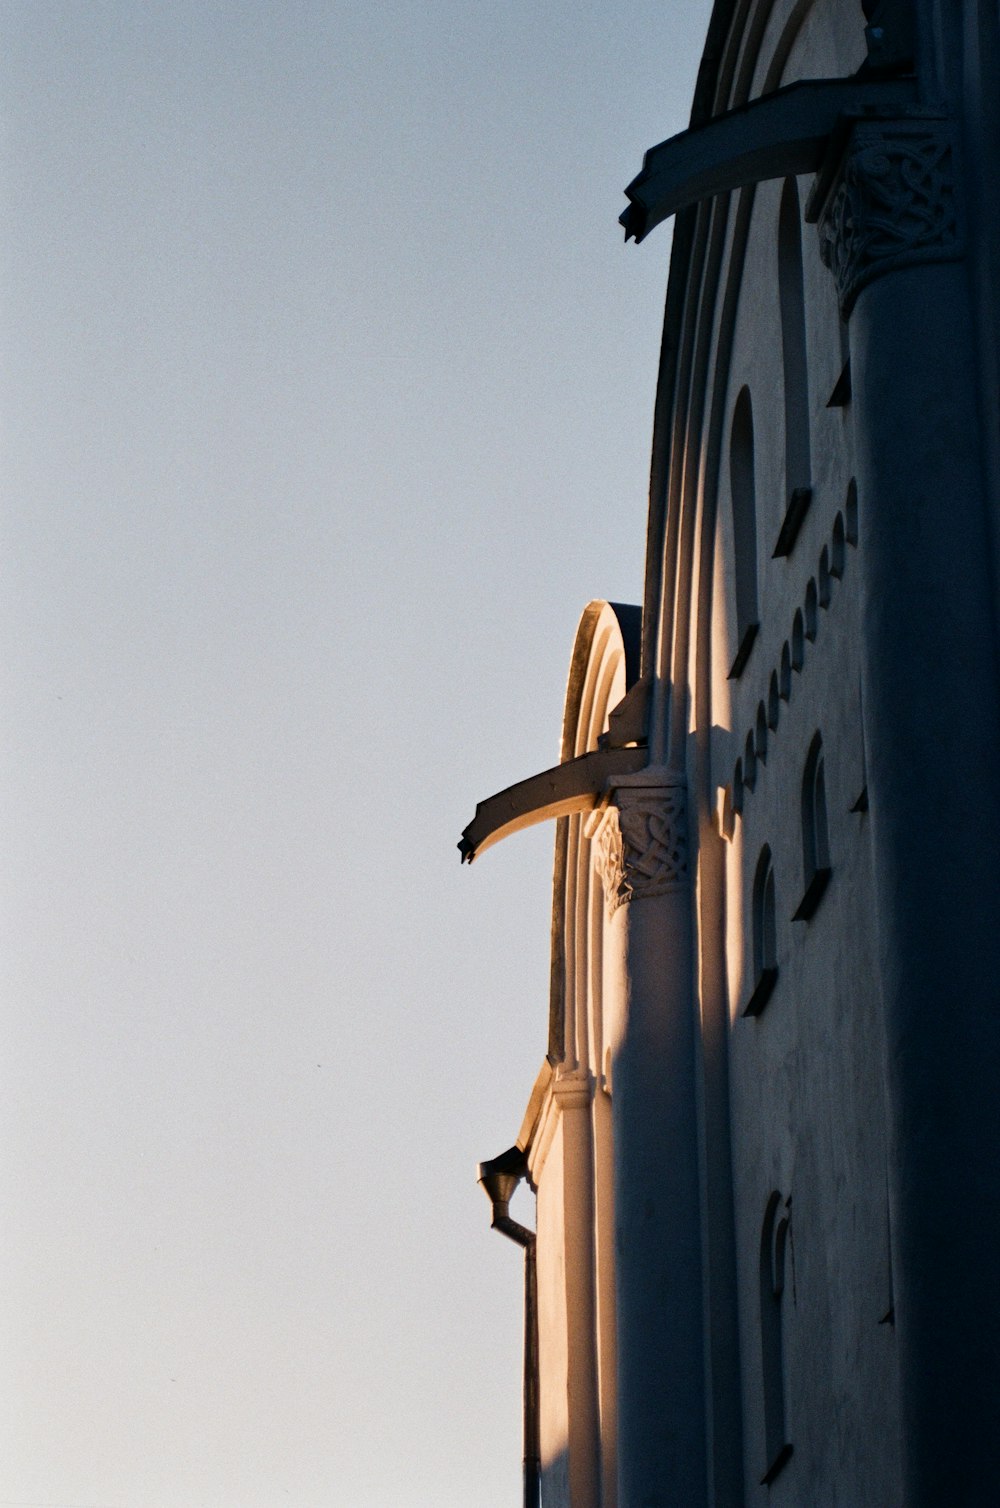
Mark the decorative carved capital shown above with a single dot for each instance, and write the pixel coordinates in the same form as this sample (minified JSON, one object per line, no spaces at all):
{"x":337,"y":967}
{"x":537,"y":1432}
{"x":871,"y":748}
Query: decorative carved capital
{"x":893,"y":202}
{"x":641,"y":843}
{"x":572,"y":1089}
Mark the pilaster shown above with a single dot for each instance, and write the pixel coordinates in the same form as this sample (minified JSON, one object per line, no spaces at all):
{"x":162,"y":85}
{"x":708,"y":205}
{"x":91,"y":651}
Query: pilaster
{"x":892,"y":232}
{"x":642,"y":846}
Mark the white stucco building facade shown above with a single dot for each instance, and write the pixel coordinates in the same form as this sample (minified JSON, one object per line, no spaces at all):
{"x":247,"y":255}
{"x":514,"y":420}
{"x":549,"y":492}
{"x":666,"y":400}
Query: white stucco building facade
{"x":764,"y":1140}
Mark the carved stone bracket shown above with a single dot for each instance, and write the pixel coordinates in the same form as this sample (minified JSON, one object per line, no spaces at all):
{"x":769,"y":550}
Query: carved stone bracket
{"x":892,"y":201}
{"x":641,"y":842}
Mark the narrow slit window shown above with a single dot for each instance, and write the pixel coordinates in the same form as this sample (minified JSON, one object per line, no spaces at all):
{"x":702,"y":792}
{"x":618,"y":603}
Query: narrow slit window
{"x":785,"y":684}
{"x":852,"y":513}
{"x":773,"y":1250}
{"x":760,"y":733}
{"x":839,"y":547}
{"x":765,"y":935}
{"x":749,"y":762}
{"x":795,"y":365}
{"x":744,"y":495}
{"x":811,"y":614}
{"x":815,"y":832}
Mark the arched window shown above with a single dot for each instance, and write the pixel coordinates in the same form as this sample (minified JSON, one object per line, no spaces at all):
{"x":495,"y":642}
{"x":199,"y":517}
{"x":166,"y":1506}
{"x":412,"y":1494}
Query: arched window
{"x":760,"y":733}
{"x":785,"y":684}
{"x":852,"y":513}
{"x":839,"y":546}
{"x":773,"y":1252}
{"x":795,"y":362}
{"x":765,"y":935}
{"x":815,"y":832}
{"x":811,"y":614}
{"x":798,"y":640}
{"x":743,"y":488}
{"x":749,"y":762}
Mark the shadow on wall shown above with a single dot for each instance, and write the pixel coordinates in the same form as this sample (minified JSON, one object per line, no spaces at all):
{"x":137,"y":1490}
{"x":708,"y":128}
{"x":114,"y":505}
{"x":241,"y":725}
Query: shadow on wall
{"x":555,"y":1481}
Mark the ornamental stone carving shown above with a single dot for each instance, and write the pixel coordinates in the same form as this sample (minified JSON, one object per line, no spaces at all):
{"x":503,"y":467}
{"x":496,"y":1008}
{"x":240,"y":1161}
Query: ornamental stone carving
{"x":641,"y":844}
{"x":894,"y":203}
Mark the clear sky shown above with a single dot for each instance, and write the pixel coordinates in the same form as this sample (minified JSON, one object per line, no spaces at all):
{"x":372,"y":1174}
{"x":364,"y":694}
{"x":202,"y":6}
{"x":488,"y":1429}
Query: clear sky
{"x":327,"y":397}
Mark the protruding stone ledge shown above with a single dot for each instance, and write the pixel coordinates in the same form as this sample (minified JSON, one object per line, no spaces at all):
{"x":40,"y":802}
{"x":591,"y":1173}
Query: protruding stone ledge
{"x":577,"y":785}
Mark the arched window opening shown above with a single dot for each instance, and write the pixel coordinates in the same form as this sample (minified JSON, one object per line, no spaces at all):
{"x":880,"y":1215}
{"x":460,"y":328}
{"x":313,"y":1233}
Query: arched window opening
{"x":765,"y":935}
{"x":760,"y":733}
{"x":811,"y":613}
{"x":795,"y":364}
{"x":773,"y":702}
{"x":738,"y":787}
{"x":785,"y":684}
{"x":838,"y":546}
{"x":744,"y":495}
{"x":825,"y":579}
{"x":773,"y":1253}
{"x":749,"y":762}
{"x":798,"y":641}
{"x":852,"y":513}
{"x":815,"y":832}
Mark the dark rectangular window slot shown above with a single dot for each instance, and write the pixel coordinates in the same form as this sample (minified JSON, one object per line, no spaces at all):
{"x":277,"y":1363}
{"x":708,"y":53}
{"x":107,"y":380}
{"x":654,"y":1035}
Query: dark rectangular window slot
{"x":772,"y":1471}
{"x":841,"y":395}
{"x":813,"y":895}
{"x":743,"y":653}
{"x":798,"y":506}
{"x":766,"y":980}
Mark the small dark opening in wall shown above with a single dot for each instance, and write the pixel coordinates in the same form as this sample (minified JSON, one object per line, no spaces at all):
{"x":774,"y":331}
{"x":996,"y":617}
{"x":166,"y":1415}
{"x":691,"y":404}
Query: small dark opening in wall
{"x":852,"y":513}
{"x":815,"y":833}
{"x":765,"y":935}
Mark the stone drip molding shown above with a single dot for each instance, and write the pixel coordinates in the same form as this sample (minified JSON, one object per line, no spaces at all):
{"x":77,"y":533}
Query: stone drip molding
{"x":805,"y":630}
{"x":892,"y":201}
{"x":641,"y":844}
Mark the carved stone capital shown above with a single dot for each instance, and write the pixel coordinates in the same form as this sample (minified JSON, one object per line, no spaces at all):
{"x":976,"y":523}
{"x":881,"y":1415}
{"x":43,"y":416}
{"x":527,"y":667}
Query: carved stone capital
{"x":572,"y":1089}
{"x":893,"y":201}
{"x":641,"y":843}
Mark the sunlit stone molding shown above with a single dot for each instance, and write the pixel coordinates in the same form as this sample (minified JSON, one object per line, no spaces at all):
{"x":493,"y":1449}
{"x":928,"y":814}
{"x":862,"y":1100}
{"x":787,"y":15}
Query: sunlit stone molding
{"x":894,"y":203}
{"x":641,"y":844}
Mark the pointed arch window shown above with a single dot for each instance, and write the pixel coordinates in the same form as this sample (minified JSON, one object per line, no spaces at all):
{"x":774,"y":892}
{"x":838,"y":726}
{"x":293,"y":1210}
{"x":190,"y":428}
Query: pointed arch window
{"x":815,"y":832}
{"x":765,"y":935}
{"x":795,"y":366}
{"x":773,"y":1254}
{"x":744,"y":496}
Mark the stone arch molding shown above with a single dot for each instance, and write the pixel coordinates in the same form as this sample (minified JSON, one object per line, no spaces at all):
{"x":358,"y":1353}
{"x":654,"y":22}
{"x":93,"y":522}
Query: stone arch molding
{"x":603,"y":670}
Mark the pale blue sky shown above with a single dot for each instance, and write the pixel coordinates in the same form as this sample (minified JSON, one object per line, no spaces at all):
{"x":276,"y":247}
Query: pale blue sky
{"x":327,"y":394}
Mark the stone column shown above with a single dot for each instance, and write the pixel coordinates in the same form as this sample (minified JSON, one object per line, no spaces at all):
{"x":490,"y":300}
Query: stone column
{"x":573,"y":1093}
{"x":642,"y":847}
{"x":892,"y":232}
